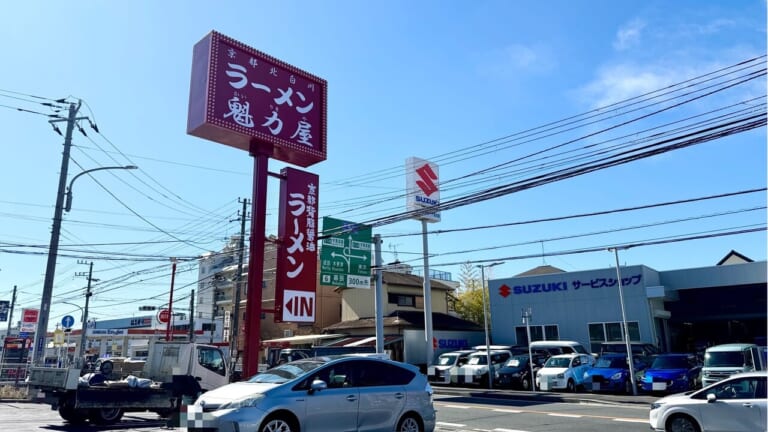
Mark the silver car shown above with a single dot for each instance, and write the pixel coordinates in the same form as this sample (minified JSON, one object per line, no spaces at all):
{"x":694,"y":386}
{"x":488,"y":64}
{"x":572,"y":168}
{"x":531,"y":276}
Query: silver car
{"x":321,"y":394}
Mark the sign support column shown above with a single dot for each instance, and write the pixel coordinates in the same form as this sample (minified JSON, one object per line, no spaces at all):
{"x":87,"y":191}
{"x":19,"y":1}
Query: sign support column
{"x":252,"y":349}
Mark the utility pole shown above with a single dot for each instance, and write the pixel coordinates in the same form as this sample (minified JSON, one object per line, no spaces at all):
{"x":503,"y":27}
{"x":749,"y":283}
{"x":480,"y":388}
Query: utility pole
{"x":53,"y":250}
{"x":81,"y":350}
{"x":192,"y":316}
{"x":233,"y":348}
{"x":10,"y":312}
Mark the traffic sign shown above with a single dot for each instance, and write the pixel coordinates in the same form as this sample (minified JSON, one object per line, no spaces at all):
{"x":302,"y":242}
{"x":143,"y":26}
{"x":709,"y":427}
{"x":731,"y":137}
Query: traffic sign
{"x":68,"y":321}
{"x":345,"y":257}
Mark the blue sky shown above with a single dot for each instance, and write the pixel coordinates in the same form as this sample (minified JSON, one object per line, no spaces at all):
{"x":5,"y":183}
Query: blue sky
{"x":424,"y":79}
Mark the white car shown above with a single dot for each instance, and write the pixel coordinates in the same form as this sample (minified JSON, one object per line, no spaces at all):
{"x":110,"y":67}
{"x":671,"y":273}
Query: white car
{"x":475,"y":371}
{"x":564,"y":372}
{"x":736,"y":404}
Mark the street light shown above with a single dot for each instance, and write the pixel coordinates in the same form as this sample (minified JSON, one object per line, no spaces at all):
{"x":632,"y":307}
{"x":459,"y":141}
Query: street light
{"x":485,"y":320}
{"x":53,"y":249}
{"x":68,"y":206}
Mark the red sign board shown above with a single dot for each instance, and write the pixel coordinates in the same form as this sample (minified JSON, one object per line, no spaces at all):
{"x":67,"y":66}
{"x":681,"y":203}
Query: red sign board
{"x":296,"y":266}
{"x":240,"y":97}
{"x":30,"y":315}
{"x":163,"y":316}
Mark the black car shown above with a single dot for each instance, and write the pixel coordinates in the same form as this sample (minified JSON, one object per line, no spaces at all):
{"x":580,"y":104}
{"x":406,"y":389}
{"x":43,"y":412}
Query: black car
{"x":516,"y":372}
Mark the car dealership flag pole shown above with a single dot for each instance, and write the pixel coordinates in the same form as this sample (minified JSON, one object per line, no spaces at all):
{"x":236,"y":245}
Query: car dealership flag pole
{"x":630,"y":359}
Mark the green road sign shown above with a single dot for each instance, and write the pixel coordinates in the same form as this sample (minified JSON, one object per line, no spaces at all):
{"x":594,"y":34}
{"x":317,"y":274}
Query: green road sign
{"x":345,"y":257}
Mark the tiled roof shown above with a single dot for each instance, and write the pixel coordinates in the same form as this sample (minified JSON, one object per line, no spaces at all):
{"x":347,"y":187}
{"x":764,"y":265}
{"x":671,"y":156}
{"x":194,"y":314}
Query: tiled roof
{"x":409,"y":319}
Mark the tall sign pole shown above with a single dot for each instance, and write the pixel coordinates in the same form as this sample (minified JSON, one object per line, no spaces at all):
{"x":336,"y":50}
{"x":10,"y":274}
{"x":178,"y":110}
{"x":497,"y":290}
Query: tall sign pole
{"x":423,"y":199}
{"x":53,"y":249}
{"x":252,"y":349}
{"x":244,"y":98}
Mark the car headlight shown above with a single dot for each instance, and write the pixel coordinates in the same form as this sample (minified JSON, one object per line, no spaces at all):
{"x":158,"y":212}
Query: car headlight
{"x":246,"y":402}
{"x":617,"y":376}
{"x":561,"y":376}
{"x":656,"y":405}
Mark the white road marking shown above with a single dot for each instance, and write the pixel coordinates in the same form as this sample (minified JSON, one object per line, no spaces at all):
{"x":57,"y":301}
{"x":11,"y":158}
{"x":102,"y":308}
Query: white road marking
{"x":631,"y":420}
{"x":508,"y":430}
{"x":458,"y":406}
{"x":507,"y":411}
{"x":564,"y":415}
{"x":450,"y":424}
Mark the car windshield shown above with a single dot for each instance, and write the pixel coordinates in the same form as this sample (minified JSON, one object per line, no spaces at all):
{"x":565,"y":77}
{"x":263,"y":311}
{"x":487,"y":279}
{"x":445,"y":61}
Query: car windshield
{"x":558,"y":362}
{"x":724,"y":359}
{"x":285,"y":372}
{"x":446,"y":359}
{"x":478,"y":359}
{"x":611,"y":362}
{"x":670,"y":362}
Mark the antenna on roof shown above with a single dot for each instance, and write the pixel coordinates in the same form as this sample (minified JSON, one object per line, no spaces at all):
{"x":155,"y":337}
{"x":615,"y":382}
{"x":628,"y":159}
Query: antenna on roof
{"x":393,"y":249}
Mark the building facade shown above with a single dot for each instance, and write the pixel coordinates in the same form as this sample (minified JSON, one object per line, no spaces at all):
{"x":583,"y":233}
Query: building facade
{"x":678,"y":310}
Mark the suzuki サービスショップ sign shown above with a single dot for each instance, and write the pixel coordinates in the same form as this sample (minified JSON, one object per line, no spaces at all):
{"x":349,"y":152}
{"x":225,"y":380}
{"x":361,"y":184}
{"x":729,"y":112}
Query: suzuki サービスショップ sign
{"x":422,"y":189}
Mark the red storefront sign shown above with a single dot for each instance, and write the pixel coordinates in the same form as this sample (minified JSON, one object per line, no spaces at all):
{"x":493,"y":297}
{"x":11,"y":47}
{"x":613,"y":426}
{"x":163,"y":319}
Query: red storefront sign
{"x":240,"y":96}
{"x":30,"y":316}
{"x":296,"y":267}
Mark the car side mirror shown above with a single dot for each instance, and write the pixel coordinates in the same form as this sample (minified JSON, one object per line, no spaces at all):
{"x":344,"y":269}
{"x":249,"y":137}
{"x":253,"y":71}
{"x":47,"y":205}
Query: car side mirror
{"x":317,"y":385}
{"x":711,"y":397}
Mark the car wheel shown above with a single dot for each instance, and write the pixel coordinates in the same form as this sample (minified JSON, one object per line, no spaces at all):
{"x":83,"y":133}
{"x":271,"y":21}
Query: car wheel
{"x":571,"y":386}
{"x":278,"y":424}
{"x":682,"y":423}
{"x":526,"y":383}
{"x":105,"y":416}
{"x":72,"y":415}
{"x":409,"y":423}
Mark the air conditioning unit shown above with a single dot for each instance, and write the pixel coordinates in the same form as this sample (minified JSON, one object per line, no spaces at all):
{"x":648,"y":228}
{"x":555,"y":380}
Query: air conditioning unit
{"x":287,"y":333}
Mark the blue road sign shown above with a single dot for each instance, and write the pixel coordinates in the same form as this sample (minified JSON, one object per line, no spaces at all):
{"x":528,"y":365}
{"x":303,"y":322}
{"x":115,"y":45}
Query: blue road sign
{"x":67,"y":321}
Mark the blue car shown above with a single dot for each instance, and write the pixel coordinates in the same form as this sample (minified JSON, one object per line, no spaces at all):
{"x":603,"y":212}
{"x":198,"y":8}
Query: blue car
{"x":671,"y":373}
{"x":611,"y":373}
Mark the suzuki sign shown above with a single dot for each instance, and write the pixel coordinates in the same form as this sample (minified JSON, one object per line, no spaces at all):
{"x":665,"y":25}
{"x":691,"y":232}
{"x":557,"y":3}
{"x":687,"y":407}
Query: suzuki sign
{"x":422,"y":189}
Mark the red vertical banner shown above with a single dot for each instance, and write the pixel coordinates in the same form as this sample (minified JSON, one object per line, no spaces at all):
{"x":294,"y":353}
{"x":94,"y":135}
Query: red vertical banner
{"x":296,"y":269}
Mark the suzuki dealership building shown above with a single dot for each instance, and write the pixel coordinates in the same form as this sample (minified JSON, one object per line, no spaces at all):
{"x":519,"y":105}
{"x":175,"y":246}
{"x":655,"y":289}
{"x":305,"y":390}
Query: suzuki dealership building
{"x":678,"y":310}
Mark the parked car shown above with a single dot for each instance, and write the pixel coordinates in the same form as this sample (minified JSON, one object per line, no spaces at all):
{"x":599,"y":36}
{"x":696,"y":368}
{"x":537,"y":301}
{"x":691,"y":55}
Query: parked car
{"x":610,"y":373}
{"x":735,"y":404}
{"x":564,"y":372}
{"x":447,"y":365}
{"x":638,"y":348}
{"x":331,"y":394}
{"x":671,"y":373}
{"x":476,"y":370}
{"x":556,"y":347}
{"x":516,"y":372}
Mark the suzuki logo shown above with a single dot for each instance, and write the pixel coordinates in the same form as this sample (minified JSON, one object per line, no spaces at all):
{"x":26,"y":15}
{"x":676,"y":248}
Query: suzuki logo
{"x":505,"y":291}
{"x":427,"y":182}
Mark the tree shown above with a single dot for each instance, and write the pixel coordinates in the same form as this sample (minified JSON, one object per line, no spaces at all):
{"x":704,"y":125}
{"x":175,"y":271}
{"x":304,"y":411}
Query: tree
{"x":468,"y":279}
{"x":469,"y":305}
{"x":469,"y":302}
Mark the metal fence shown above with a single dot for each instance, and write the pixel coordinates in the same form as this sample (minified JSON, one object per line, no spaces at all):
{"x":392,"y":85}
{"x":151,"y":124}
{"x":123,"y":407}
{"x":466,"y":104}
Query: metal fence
{"x":13,"y":374}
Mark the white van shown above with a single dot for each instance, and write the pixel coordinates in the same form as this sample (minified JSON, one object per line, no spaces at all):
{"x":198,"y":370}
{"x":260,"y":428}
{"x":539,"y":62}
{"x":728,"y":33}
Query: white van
{"x":556,"y":347}
{"x":722,"y":361}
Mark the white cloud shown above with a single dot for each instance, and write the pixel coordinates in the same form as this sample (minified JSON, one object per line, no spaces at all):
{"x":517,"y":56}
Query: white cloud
{"x":628,"y":35}
{"x":516,"y":58}
{"x":623,"y":81}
